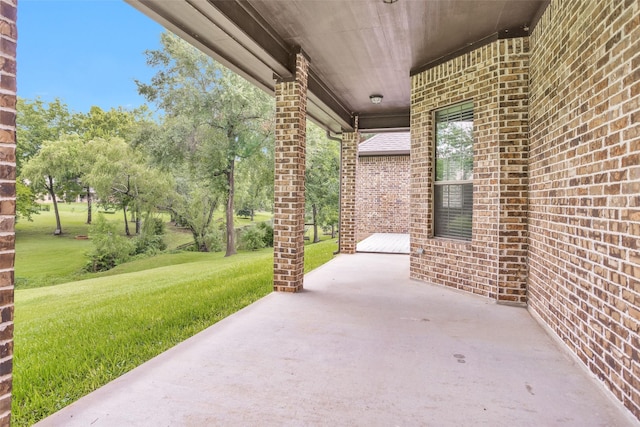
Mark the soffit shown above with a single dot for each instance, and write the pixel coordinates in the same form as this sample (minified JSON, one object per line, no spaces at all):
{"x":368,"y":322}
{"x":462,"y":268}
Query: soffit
{"x":356,"y":48}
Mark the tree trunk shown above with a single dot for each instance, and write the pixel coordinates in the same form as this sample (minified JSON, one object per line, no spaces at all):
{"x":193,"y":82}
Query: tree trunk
{"x":198,"y":239}
{"x":253,"y":214}
{"x":231,"y":239}
{"x":89,"y":207}
{"x":314,"y":213}
{"x":333,"y":231}
{"x":50,"y":188}
{"x":126,"y":222}
{"x":138,"y":223}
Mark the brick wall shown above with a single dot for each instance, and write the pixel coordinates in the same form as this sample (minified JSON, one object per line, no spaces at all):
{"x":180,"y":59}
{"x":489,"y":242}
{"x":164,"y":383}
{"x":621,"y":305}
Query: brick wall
{"x":348,"y":166}
{"x":584,"y":194}
{"x":382,"y":195}
{"x":8,"y":38}
{"x":493,"y":263}
{"x":288,"y":213}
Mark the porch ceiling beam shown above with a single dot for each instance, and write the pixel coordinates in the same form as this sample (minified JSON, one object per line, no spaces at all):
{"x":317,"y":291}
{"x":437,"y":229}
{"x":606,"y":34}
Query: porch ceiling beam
{"x":374,"y":123}
{"x":198,"y":23}
{"x":243,"y":24}
{"x":248,"y":24}
{"x":321,"y":96}
{"x":234,"y":34}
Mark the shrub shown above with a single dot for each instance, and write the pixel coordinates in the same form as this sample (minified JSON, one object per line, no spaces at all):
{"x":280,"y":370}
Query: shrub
{"x":151,"y":240}
{"x":214,"y":240}
{"x":149,"y":244}
{"x":252,"y":238}
{"x":155,"y":226}
{"x":268,"y":233}
{"x":244,"y":212}
{"x":109,"y":248}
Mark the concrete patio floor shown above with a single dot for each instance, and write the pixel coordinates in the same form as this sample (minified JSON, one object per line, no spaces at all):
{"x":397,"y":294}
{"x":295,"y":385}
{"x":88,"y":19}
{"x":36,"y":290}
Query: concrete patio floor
{"x":362,"y":346}
{"x":386,"y":243}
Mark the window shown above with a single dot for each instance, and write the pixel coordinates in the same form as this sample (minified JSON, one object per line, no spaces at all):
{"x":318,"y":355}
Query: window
{"x":454,"y":172}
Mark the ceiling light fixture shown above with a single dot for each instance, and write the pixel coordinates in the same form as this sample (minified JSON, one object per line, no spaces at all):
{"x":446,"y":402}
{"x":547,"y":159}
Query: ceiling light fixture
{"x":389,"y":1}
{"x":376,"y":99}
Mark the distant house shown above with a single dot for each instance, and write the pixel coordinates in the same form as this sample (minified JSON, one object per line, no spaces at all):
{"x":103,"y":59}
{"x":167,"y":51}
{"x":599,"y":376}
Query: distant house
{"x":382,"y":184}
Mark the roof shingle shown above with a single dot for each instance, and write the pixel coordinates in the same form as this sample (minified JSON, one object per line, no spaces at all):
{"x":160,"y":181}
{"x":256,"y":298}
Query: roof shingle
{"x":386,"y":144}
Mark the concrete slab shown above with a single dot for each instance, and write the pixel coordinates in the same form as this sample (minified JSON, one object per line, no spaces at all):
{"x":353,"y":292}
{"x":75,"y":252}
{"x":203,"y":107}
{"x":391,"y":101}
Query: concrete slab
{"x":363,"y":345}
{"x":385,"y":243}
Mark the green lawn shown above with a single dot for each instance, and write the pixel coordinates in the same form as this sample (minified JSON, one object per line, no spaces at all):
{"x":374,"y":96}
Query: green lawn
{"x":43,"y":259}
{"x":72,"y":338}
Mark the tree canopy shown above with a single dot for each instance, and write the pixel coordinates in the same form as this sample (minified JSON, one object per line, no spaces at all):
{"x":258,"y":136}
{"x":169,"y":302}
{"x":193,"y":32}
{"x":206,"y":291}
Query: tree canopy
{"x":38,"y":121}
{"x":54,"y":169}
{"x":214,"y":119}
{"x":120,"y":176}
{"x":322,"y":180}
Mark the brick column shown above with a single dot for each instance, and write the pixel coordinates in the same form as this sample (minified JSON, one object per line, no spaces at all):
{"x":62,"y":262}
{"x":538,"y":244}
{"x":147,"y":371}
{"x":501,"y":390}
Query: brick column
{"x":288,"y":216}
{"x":8,"y":38}
{"x":349,"y":161}
{"x":513,"y":96}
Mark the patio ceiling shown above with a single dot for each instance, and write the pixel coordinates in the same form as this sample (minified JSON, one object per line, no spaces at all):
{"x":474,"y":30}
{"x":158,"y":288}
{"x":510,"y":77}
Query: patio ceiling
{"x":356,"y":47}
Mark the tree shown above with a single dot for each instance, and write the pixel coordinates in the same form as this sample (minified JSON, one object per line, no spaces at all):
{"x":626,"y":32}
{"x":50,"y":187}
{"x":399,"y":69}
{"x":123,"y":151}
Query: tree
{"x":98,"y":123}
{"x":38,"y":121}
{"x":120,"y":176}
{"x":26,"y":205}
{"x":54,"y":168}
{"x":322,"y":182}
{"x":194,"y":205}
{"x":220,"y":117}
{"x":255,"y":182}
{"x":454,"y":150}
{"x":113,"y":123}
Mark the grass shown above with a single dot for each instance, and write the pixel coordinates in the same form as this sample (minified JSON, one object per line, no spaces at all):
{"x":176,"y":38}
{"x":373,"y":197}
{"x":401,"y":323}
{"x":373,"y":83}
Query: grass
{"x":43,"y":259}
{"x":74,"y":337}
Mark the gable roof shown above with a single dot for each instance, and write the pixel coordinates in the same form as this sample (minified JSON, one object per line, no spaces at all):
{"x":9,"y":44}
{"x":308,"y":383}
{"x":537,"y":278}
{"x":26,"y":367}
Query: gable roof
{"x":386,"y":144}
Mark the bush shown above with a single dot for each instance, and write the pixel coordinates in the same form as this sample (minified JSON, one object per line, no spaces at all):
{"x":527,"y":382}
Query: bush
{"x":252,"y":238}
{"x":244,"y":212}
{"x":149,"y":244}
{"x":214,"y":240}
{"x":268,"y":233}
{"x":151,"y":240}
{"x":110,"y":249}
{"x":155,"y":226}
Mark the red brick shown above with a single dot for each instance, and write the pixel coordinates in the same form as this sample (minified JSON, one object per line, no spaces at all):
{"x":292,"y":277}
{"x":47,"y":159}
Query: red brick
{"x":8,"y":154}
{"x":7,"y":189}
{"x":7,"y":136}
{"x":7,"y":117}
{"x":7,"y":242}
{"x":605,"y":158}
{"x":349,"y":159}
{"x":7,"y":172}
{"x":8,"y":29}
{"x":8,"y":12}
{"x":6,"y":260}
{"x":8,"y":101}
{"x":6,"y":334}
{"x":291,"y":101}
{"x":7,"y":207}
{"x":382,"y":195}
{"x":6,"y":295}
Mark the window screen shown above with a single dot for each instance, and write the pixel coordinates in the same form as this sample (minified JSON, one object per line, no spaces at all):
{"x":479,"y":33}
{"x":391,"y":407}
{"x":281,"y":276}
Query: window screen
{"x":454,"y":172}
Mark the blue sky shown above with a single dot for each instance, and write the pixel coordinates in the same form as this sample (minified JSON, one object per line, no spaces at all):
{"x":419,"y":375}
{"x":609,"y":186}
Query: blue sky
{"x":85,"y":52}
